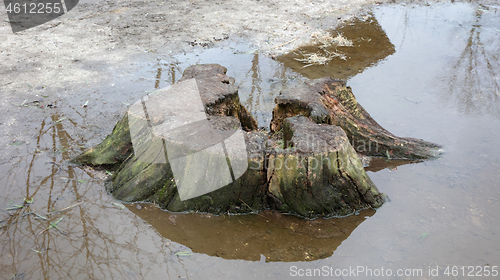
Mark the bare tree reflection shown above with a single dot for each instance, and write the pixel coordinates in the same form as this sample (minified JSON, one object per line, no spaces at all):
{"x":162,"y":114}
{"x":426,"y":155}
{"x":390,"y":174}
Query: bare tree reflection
{"x":474,"y":78}
{"x":94,"y":240}
{"x":100,"y":240}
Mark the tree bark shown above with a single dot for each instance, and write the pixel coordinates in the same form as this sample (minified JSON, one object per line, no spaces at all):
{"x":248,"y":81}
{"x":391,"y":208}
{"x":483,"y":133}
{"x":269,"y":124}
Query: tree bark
{"x":319,"y":172}
{"x":330,"y":101}
{"x":312,"y":170}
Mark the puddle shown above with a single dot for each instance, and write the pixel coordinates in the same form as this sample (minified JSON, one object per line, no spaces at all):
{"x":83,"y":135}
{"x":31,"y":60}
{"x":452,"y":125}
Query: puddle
{"x":271,"y":234}
{"x":259,"y":77}
{"x":429,"y":72}
{"x":370,"y":45}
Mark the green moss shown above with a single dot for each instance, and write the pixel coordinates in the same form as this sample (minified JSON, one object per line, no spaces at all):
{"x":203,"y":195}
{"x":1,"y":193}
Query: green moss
{"x":113,"y":150}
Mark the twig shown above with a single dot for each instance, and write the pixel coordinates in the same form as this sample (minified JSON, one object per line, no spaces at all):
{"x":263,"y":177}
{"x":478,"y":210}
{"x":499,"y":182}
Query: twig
{"x":70,"y":206}
{"x":248,"y":206}
{"x":64,"y":209}
{"x":258,"y":213}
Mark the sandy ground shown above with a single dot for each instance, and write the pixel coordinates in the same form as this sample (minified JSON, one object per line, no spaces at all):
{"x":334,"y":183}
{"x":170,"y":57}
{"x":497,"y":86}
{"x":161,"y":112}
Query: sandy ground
{"x":100,"y":36}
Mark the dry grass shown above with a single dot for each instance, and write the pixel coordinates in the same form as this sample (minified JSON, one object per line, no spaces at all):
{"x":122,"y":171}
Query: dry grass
{"x":325,"y":39}
{"x":327,"y":45}
{"x":319,"y":58}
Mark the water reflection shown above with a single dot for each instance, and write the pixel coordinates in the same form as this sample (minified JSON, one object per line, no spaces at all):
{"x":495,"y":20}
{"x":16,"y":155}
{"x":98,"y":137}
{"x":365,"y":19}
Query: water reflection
{"x":73,"y":229}
{"x":158,"y":77}
{"x":370,"y":45}
{"x":170,"y":69}
{"x":378,"y":164}
{"x":54,"y":219}
{"x":473,"y":77}
{"x":269,"y":234}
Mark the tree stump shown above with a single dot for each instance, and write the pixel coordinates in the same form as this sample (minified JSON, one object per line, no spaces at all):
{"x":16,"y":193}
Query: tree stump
{"x":319,"y":172}
{"x":330,"y":101}
{"x":153,"y":135}
{"x":194,"y":147}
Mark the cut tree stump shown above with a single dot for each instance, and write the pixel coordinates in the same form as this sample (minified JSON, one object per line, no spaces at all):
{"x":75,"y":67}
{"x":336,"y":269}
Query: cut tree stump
{"x":330,"y":101}
{"x":319,"y":172}
{"x":137,"y":147}
{"x":169,"y":148}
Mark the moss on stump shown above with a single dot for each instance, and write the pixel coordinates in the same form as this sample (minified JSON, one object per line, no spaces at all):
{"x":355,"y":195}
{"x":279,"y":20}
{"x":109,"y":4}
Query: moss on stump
{"x":311,"y":170}
{"x":318,"y":172}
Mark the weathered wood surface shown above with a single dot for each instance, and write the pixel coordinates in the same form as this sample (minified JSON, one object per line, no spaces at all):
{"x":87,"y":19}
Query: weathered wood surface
{"x":313,"y":170}
{"x":330,"y":101}
{"x":319,"y":172}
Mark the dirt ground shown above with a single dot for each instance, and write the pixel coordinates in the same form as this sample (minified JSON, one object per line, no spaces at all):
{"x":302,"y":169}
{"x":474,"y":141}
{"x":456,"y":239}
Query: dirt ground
{"x":99,"y":36}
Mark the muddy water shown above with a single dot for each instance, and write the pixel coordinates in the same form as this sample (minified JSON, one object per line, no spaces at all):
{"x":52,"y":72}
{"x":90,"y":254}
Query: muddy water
{"x":438,"y":79}
{"x":370,"y":45}
{"x":270,"y":235}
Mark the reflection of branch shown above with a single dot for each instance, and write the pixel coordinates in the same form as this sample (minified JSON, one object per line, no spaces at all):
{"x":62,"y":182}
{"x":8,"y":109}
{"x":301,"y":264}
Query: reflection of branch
{"x":473,"y":83}
{"x":90,"y":247}
{"x":255,"y":90}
